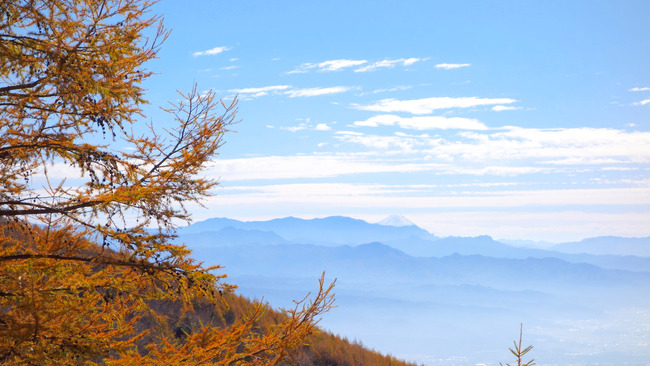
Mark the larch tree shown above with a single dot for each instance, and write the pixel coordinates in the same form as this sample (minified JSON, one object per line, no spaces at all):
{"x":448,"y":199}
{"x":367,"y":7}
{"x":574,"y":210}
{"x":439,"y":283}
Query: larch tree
{"x":519,"y":351}
{"x":80,"y":267}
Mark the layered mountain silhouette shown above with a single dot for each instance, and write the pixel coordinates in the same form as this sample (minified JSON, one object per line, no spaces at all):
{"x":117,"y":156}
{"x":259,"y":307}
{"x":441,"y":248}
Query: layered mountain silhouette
{"x":405,"y":291}
{"x":334,"y":230}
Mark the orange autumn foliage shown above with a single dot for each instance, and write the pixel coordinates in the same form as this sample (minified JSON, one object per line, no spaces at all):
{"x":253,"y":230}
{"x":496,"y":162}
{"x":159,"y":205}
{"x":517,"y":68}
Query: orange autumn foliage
{"x":80,"y":270}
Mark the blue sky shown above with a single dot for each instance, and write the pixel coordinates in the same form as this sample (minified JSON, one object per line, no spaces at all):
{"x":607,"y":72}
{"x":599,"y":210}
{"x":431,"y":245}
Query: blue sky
{"x":515,"y":119}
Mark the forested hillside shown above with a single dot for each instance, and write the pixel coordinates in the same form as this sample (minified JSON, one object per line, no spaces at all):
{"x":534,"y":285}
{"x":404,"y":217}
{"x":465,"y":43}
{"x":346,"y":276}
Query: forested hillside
{"x":161,"y":321}
{"x":320,"y":349}
{"x":84,"y":175}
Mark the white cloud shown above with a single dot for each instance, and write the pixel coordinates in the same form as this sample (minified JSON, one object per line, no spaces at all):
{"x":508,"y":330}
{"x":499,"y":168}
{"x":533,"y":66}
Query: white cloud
{"x":400,"y":144}
{"x":397,"y":88}
{"x":302,"y":166}
{"x":307,"y":125}
{"x":496,"y":170}
{"x":341,"y":64}
{"x":451,"y":66}
{"x":353,"y":133}
{"x":412,"y":60}
{"x":336,"y":65}
{"x":422,"y":197}
{"x":554,"y":149}
{"x":330,"y":65}
{"x":388,"y":64}
{"x":574,"y":146}
{"x":428,"y":105}
{"x":311,"y":92}
{"x":300,"y":127}
{"x":499,"y":108}
{"x":232,"y":67}
{"x":210,"y":52}
{"x":59,"y":171}
{"x":640,"y":89}
{"x":377,"y":91}
{"x":259,"y":92}
{"x":423,"y":123}
{"x":643,"y":102}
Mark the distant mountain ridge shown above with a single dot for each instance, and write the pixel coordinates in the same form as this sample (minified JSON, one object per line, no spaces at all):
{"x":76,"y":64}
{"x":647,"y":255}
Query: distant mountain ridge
{"x":230,"y":235}
{"x":378,"y":262}
{"x":607,"y":245}
{"x":454,"y":293}
{"x":397,"y":232}
{"x":333,"y":230}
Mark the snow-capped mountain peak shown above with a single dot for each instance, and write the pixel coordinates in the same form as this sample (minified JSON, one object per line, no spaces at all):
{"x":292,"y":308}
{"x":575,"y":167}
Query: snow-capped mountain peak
{"x":396,"y":220}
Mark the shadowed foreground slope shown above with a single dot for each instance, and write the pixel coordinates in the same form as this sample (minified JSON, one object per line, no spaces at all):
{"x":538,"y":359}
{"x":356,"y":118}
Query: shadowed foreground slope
{"x":321,"y":348}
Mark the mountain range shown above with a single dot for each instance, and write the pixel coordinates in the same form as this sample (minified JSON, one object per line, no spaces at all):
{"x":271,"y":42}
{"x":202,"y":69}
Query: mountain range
{"x":334,"y":230}
{"x":453,"y":300}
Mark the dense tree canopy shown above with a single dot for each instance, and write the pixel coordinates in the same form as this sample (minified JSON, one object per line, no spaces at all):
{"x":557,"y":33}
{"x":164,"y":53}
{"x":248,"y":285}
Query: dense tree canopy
{"x":80,"y":269}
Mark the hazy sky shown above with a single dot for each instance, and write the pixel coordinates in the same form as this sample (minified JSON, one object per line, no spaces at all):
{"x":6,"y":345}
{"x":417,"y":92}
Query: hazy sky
{"x":516,"y":119}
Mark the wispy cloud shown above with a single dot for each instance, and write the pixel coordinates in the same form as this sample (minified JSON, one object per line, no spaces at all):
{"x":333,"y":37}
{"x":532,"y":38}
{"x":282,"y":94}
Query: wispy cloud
{"x":336,"y":65}
{"x":507,"y":151}
{"x":640,"y":89}
{"x":304,"y":126}
{"x":396,"y":144}
{"x":451,"y":66}
{"x":258,"y":92}
{"x":211,"y":52}
{"x":307,"y":125}
{"x":302,"y":166}
{"x":287,"y":90}
{"x":341,"y":64}
{"x":330,"y":65}
{"x":500,"y":108}
{"x":643,"y":102}
{"x":383,"y":64}
{"x":311,"y":92}
{"x":425,"y":196}
{"x":562,"y":146}
{"x":428,"y":105}
{"x":397,"y":88}
{"x":523,"y":147}
{"x":300,"y":127}
{"x":423,"y":123}
{"x":377,"y":91}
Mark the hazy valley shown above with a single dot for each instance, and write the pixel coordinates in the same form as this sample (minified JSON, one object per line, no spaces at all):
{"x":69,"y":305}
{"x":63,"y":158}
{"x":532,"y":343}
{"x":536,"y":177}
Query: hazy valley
{"x":446,"y":301}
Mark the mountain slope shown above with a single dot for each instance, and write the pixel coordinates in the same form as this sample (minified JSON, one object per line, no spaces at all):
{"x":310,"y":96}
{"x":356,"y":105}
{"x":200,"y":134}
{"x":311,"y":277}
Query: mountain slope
{"x":321,"y":349}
